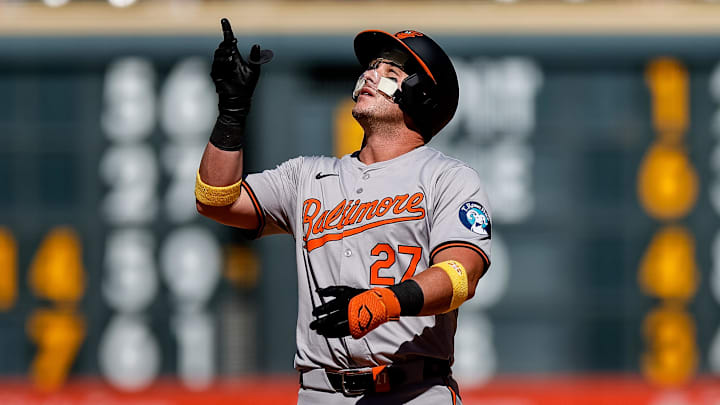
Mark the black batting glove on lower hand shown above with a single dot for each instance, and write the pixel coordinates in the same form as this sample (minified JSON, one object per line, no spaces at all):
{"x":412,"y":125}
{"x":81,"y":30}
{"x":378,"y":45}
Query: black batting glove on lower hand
{"x":235,"y":80}
{"x":332,"y":317}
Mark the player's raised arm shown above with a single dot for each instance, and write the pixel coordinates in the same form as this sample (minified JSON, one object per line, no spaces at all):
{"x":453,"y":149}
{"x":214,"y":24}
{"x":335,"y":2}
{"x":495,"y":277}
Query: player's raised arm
{"x":219,"y":180}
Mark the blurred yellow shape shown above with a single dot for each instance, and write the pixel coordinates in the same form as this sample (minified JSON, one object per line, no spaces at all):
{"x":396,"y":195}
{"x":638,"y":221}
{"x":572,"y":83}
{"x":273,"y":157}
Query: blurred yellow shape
{"x":348,"y":134}
{"x":242,"y":267}
{"x":667,"y":182}
{"x":58,"y":333}
{"x":8,"y":269}
{"x":672,"y":355}
{"x":668,"y":270}
{"x":57,"y":271}
{"x":668,"y":82}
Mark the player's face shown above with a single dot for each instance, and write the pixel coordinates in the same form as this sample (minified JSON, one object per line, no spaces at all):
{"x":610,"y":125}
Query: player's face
{"x":373,"y":104}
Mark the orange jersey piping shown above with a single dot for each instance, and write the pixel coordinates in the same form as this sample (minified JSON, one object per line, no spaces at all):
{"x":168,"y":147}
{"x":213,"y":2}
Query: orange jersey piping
{"x":468,"y":245}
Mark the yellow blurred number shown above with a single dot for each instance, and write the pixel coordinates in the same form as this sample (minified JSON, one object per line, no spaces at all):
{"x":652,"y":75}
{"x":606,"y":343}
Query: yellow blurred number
{"x":56,"y":274}
{"x":57,"y":271}
{"x":8,"y":270}
{"x":348,"y":135}
{"x":667,"y":182}
{"x":58,"y":333}
{"x":672,"y":355}
{"x":668,"y":82}
{"x":668,"y":269}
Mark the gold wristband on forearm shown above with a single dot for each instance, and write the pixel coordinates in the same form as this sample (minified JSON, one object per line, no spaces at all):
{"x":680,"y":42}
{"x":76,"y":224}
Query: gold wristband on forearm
{"x":459,"y":280}
{"x":216,"y":196}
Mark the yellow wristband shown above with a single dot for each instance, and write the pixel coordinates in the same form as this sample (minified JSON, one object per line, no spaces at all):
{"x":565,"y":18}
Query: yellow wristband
{"x":459,"y":280}
{"x":216,"y":196}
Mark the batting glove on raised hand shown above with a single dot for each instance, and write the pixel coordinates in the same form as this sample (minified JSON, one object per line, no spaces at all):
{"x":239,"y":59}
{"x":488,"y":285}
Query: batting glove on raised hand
{"x":354,"y":311}
{"x":235,"y":80}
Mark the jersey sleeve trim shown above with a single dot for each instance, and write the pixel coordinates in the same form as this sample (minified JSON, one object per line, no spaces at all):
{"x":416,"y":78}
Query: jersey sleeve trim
{"x":450,"y":244}
{"x":258,"y":210}
{"x":452,"y":391}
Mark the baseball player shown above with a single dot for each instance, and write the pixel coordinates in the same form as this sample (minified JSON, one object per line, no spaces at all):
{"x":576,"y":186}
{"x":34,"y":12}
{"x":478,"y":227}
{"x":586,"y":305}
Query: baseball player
{"x":389,"y":240}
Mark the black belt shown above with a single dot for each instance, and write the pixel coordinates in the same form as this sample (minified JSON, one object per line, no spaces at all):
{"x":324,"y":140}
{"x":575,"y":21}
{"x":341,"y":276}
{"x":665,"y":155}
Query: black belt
{"x":355,"y":382}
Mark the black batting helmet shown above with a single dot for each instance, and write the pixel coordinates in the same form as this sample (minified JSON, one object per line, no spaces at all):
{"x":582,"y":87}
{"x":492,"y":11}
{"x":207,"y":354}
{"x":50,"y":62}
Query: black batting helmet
{"x":429,"y":95}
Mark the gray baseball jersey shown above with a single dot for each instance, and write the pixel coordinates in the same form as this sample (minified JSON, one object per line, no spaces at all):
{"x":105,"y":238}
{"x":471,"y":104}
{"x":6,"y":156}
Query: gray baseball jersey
{"x":367,"y":226}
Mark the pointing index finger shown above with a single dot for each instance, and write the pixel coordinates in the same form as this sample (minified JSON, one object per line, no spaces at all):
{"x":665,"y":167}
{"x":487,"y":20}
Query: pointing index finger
{"x":227,"y":30}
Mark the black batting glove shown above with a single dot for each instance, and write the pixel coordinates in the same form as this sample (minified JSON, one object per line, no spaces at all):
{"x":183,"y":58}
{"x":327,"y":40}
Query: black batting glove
{"x":332,"y":317}
{"x":235,"y":80}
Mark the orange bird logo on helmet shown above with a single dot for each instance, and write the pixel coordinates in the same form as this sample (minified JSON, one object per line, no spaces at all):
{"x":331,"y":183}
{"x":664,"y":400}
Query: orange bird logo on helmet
{"x":408,"y":34}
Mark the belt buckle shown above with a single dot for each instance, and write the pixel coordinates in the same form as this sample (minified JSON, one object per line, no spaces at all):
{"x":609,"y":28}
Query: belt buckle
{"x":350,"y":391}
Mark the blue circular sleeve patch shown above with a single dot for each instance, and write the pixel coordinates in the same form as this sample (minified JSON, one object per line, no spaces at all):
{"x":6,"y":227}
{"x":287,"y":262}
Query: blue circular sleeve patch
{"x":475,"y":218}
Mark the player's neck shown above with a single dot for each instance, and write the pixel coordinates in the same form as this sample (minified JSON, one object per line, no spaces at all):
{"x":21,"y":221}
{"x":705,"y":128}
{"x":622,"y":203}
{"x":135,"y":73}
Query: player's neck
{"x":382,"y":147}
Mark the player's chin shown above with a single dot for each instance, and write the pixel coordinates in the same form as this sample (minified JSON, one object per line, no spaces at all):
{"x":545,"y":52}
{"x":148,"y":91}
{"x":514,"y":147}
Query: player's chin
{"x":361,"y":111}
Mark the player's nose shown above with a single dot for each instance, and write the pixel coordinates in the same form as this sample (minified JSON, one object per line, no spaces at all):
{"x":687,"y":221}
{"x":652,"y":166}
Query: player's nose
{"x":371,"y":75}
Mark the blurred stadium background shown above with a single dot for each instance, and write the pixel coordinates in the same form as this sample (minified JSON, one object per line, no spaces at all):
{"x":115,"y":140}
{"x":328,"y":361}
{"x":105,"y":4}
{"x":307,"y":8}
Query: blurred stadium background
{"x":596,"y":125}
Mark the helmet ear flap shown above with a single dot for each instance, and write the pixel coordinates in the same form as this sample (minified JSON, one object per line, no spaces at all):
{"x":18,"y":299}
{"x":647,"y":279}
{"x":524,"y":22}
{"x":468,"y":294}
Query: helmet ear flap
{"x":416,"y":100}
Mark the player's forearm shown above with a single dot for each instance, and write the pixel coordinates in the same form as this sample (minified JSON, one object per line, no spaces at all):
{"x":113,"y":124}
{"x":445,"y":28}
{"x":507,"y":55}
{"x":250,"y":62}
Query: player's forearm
{"x":219,"y":181}
{"x":220,"y":167}
{"x":443,"y":285}
{"x":438,"y":291}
